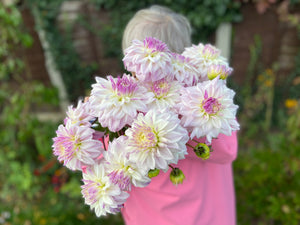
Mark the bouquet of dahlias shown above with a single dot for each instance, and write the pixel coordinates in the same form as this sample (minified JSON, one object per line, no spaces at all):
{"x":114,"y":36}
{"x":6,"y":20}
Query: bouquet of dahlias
{"x":133,"y":126}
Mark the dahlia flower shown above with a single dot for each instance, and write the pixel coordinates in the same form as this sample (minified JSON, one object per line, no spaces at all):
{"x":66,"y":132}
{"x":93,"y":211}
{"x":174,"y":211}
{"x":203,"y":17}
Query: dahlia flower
{"x":75,"y":146}
{"x":150,"y":59}
{"x":80,"y":115}
{"x":207,"y":109}
{"x":121,"y":171}
{"x":166,"y":93}
{"x":203,"y":56}
{"x":156,"y":139}
{"x":221,"y":71}
{"x":100,"y":193}
{"x":115,"y":101}
{"x":184,"y":71}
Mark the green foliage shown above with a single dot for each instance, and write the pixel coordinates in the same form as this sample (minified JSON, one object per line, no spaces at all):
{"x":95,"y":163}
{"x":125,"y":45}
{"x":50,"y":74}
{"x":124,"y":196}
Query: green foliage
{"x":204,"y":16}
{"x":267,"y":170}
{"x":293,"y":123}
{"x":34,"y":187}
{"x":11,"y":35}
{"x":292,"y":85}
{"x":267,"y":181}
{"x":294,"y":2}
{"x":259,"y":98}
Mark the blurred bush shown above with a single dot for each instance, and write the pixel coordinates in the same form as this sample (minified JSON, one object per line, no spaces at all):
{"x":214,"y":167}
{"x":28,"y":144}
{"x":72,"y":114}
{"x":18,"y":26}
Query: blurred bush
{"x":34,"y":187}
{"x":267,"y":174}
{"x":267,"y":170}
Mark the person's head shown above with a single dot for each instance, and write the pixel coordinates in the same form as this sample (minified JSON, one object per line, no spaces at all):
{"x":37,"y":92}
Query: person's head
{"x":161,"y":23}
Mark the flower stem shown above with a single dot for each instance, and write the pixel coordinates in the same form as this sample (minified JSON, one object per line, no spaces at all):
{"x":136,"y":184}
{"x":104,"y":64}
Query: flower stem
{"x":190,"y":145}
{"x":103,"y":140}
{"x":195,"y":141}
{"x":171,"y":167}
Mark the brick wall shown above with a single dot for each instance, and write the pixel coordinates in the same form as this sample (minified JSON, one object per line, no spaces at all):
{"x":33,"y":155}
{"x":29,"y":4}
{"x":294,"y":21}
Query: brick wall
{"x":86,"y":42}
{"x":279,"y":42}
{"x":34,"y":56}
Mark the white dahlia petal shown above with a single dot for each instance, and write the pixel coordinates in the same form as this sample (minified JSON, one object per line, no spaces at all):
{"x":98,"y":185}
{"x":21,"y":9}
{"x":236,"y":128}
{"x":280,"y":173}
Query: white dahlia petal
{"x":81,"y":115}
{"x":209,"y":111}
{"x":156,"y":139}
{"x":203,"y":57}
{"x":166,"y":94}
{"x":183,"y":69}
{"x":120,"y":169}
{"x":76,"y":147}
{"x":116,"y":101}
{"x":150,"y":59}
{"x":100,"y":193}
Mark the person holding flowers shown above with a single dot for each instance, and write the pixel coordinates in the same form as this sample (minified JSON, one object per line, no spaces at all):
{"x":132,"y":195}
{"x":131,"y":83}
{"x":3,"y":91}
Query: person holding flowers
{"x":157,"y":145}
{"x":206,"y":196}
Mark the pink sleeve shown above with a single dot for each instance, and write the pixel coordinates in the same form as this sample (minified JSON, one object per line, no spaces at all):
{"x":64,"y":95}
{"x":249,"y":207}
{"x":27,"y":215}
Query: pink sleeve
{"x":224,"y":149}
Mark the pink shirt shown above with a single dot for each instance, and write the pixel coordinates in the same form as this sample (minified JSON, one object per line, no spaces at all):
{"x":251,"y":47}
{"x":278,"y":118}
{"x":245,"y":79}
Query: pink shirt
{"x":206,"y":196}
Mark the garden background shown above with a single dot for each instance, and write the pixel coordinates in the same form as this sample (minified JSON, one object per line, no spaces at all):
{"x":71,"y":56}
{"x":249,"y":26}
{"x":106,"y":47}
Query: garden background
{"x":50,"y":52}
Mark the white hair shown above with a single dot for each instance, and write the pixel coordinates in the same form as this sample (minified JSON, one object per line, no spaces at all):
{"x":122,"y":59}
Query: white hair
{"x":161,"y":23}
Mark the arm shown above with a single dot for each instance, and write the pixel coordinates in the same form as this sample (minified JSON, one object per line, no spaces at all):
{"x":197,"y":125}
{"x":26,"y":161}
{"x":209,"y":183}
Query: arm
{"x":224,"y":149}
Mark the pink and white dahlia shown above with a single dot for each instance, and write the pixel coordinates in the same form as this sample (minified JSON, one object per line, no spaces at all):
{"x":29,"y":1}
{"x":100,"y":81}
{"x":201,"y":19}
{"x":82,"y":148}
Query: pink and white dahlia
{"x":115,"y":101}
{"x":156,"y":139}
{"x":203,"y":56}
{"x":120,"y":169}
{"x":166,"y":93}
{"x":80,"y":115}
{"x":184,"y":71}
{"x":207,"y":109}
{"x":76,"y":147}
{"x":100,"y":193}
{"x":221,"y":71}
{"x":150,"y":59}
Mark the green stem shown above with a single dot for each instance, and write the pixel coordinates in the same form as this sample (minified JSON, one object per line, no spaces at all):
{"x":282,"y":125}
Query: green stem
{"x":190,"y":145}
{"x":195,"y":141}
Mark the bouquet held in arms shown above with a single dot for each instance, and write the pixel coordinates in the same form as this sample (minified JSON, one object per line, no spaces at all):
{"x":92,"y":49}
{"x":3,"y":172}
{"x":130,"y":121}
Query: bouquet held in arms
{"x":133,"y":126}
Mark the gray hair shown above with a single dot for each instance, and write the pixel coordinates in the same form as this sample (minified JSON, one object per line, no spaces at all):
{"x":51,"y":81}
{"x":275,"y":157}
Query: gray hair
{"x":161,"y":23}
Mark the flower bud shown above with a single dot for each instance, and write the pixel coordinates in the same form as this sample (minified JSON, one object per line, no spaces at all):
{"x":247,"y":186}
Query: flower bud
{"x":202,"y":151}
{"x":176,"y":176}
{"x":223,"y":71}
{"x":153,"y":173}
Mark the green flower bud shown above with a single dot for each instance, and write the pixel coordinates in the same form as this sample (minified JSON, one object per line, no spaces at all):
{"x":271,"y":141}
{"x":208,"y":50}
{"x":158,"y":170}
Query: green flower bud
{"x":153,"y":173}
{"x":176,"y":176}
{"x":202,"y":151}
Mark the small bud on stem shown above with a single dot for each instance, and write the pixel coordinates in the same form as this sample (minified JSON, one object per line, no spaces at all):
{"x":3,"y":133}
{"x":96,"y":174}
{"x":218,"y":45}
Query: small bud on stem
{"x":153,"y":173}
{"x":176,"y":176}
{"x":202,"y":151}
